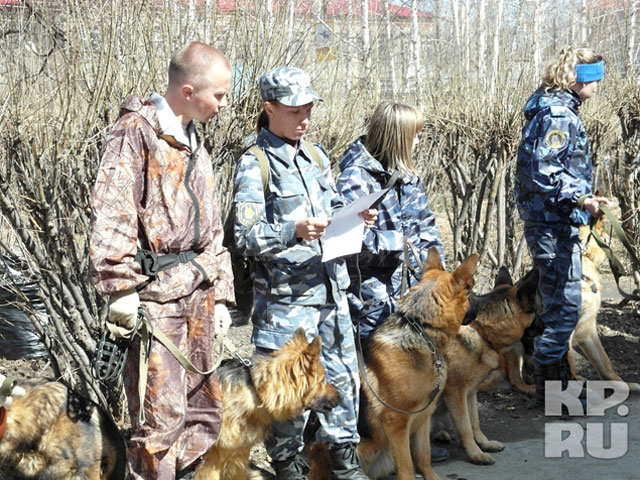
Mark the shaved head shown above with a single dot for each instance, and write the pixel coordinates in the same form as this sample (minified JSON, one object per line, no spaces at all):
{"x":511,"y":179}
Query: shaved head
{"x":193,"y":63}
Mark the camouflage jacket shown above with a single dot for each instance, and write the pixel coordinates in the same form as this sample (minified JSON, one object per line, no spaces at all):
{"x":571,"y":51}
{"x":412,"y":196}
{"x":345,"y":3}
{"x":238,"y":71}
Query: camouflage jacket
{"x":554,"y":165}
{"x":403,"y":211}
{"x":153,"y":191}
{"x":288,"y":270}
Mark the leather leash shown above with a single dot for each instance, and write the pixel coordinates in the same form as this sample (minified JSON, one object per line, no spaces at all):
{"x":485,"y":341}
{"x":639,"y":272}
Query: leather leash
{"x":616,"y":266}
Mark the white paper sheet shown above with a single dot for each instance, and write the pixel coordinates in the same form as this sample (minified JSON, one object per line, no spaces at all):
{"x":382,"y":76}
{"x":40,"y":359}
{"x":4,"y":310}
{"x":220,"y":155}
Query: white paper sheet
{"x":343,"y":236}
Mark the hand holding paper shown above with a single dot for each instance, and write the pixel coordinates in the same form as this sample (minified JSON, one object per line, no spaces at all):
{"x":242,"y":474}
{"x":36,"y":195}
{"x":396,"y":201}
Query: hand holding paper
{"x":344,"y":234}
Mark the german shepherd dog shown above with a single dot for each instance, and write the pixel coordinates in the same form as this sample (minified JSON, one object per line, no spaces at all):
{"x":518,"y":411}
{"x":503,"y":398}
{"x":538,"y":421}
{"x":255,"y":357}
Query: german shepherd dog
{"x":406,"y":365}
{"x":54,"y":434}
{"x":276,"y":387}
{"x":497,"y":322}
{"x":585,"y":336}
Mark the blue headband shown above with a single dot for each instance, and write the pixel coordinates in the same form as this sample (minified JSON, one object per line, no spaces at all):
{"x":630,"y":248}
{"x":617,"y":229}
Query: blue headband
{"x":590,"y":72}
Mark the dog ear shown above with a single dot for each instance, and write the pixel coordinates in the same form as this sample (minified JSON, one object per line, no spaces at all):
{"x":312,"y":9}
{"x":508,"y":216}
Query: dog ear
{"x":527,"y":290}
{"x":464,"y":273}
{"x":504,"y":277}
{"x":434,"y":262}
{"x":299,"y":335}
{"x":315,"y":346}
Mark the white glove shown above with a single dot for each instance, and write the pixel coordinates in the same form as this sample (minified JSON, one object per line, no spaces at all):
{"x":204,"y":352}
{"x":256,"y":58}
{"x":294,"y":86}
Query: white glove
{"x":7,"y":392}
{"x":221,"y":319}
{"x":123,"y":308}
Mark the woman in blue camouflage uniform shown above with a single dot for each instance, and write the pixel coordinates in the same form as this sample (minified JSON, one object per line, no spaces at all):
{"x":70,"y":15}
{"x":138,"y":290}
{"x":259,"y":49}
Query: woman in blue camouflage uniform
{"x":281,"y":224}
{"x":553,"y":190}
{"x":403,"y":214}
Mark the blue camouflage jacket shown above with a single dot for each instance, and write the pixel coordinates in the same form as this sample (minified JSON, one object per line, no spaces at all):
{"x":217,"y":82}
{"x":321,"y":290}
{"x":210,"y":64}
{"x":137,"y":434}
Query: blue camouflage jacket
{"x":554,"y":165}
{"x":403,"y":211}
{"x":288,"y":270}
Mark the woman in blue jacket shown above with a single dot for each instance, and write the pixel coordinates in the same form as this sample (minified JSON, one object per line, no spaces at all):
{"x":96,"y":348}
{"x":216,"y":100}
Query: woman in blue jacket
{"x":553,"y":191}
{"x":403,"y":215}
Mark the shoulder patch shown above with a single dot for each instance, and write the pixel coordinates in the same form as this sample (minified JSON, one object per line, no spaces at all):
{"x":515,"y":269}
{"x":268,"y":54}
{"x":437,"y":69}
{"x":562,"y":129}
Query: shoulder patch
{"x":247,"y":213}
{"x":555,"y":139}
{"x":558,"y":110}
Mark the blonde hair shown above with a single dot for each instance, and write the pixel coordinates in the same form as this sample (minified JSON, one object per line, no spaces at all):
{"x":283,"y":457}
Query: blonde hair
{"x":193,"y":62}
{"x":561,"y":72}
{"x":390,"y":135}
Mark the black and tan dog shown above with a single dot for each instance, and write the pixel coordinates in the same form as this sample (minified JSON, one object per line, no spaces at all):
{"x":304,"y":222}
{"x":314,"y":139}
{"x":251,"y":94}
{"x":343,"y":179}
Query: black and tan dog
{"x":497,"y":323}
{"x":585,"y":336}
{"x":275,"y":387}
{"x":405,"y":366}
{"x":54,"y":434}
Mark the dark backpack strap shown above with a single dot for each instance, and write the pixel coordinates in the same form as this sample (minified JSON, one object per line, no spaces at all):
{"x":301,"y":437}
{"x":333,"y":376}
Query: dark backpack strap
{"x":257,"y":152}
{"x":314,"y":152}
{"x":395,"y":176}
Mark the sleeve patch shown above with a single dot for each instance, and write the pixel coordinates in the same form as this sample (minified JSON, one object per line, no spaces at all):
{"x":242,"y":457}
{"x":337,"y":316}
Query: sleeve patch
{"x":555,"y":139}
{"x":247,"y":213}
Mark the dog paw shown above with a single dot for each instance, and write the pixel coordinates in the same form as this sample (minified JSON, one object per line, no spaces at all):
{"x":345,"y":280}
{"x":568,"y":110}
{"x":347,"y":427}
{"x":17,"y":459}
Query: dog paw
{"x":526,"y":388}
{"x":482,"y":459}
{"x":492,"y":446}
{"x":634,"y":387}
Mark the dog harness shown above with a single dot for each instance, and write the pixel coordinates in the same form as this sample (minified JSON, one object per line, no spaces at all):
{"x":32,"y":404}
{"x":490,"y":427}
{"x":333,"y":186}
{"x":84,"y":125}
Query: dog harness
{"x":437,"y":365}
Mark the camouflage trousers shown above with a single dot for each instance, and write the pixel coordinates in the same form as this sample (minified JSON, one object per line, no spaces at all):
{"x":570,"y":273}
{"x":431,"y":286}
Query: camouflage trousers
{"x":183,"y":410}
{"x":333,"y":324}
{"x":555,"y":250}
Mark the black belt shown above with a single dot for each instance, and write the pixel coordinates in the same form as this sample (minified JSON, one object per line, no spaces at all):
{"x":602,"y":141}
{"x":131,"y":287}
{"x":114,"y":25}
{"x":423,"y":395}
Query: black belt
{"x":151,"y":263}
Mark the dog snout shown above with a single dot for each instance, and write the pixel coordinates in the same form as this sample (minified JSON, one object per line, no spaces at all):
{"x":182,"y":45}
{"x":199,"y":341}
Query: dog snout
{"x":472,"y":311}
{"x":328,"y":400}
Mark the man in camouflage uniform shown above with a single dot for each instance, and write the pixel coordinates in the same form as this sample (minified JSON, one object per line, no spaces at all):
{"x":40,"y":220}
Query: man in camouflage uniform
{"x":403,"y":215}
{"x":154,"y":191}
{"x":281,"y":226}
{"x":553,"y":190}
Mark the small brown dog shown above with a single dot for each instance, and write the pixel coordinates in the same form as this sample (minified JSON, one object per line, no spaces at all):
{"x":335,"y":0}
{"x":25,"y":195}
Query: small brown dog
{"x":54,"y":434}
{"x":275,"y":387}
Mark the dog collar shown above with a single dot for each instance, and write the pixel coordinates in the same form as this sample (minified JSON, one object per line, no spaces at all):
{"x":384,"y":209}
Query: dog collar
{"x":3,"y":421}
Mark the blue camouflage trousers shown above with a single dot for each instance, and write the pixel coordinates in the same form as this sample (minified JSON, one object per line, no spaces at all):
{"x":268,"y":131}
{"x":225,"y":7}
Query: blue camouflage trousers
{"x":555,"y":249}
{"x":333,"y":324}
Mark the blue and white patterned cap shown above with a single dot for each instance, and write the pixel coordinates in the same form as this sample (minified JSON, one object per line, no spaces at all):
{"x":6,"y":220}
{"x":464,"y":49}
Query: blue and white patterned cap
{"x":288,"y":85}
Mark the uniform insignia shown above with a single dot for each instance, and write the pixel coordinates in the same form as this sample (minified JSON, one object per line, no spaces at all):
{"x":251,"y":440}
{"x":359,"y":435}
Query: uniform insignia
{"x":247,"y":213}
{"x":555,"y":139}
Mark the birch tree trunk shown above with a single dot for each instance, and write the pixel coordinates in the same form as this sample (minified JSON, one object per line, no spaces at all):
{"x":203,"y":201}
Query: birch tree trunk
{"x":290,"y":20}
{"x":269,"y":7}
{"x":415,"y":46}
{"x":366,"y":40}
{"x":467,"y":39}
{"x":456,"y":22}
{"x":536,"y":38}
{"x":208,"y":19}
{"x":496,"y":51}
{"x":631,"y":45}
{"x":388,"y":32}
{"x":191,"y":20}
{"x":347,"y":44}
{"x":584,"y":23}
{"x":482,"y":41}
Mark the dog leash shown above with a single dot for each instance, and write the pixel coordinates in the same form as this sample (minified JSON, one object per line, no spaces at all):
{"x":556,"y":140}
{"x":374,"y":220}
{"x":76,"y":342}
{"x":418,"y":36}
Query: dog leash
{"x":616,"y":266}
{"x":115,"y":354}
